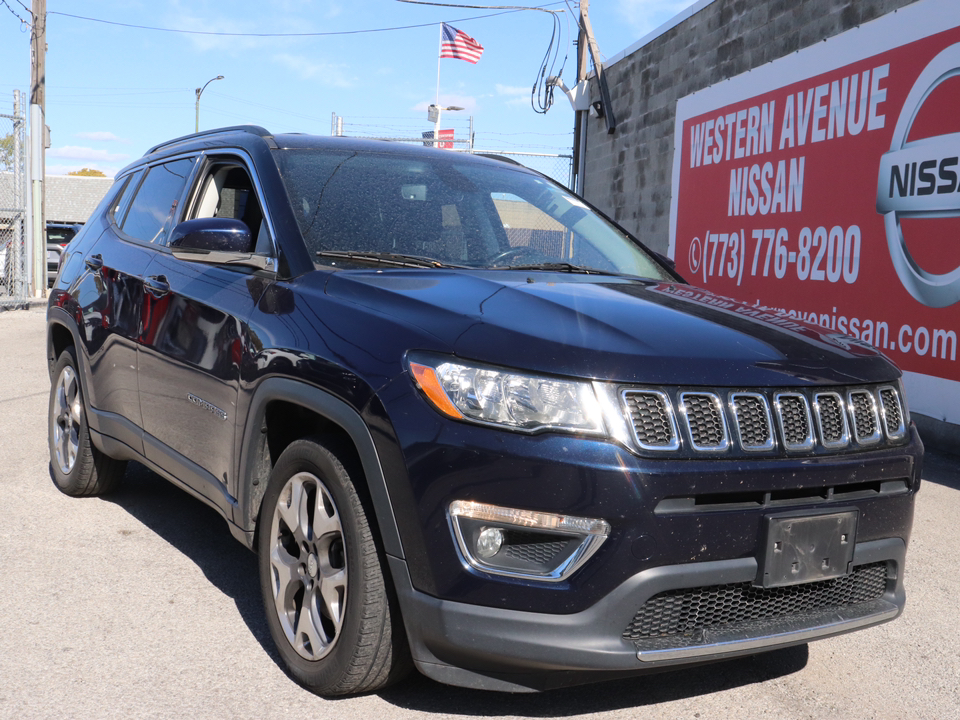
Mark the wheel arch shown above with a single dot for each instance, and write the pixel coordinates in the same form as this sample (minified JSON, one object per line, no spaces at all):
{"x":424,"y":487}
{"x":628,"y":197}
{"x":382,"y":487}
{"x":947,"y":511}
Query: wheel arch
{"x":283,"y":410}
{"x":60,"y":335}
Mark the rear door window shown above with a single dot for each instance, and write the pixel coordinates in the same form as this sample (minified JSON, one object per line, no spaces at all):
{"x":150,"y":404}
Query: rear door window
{"x":155,"y":206}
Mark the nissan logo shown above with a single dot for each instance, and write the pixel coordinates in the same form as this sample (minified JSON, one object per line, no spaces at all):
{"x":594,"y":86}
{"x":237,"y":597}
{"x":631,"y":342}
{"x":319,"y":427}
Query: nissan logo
{"x":920,"y":179}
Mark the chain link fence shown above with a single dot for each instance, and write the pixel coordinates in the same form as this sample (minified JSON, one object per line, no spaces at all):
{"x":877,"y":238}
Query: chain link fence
{"x":13,"y":208}
{"x":558,"y":167}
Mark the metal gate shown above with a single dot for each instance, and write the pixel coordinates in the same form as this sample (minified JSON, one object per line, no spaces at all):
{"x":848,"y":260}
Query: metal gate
{"x":13,"y":206}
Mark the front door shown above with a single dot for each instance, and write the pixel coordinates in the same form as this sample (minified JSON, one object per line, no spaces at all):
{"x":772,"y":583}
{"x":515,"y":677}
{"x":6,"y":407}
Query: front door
{"x":193,"y":342}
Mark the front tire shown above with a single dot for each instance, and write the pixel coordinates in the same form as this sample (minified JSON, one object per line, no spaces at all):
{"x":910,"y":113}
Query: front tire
{"x":78,"y":468}
{"x":329,"y":608}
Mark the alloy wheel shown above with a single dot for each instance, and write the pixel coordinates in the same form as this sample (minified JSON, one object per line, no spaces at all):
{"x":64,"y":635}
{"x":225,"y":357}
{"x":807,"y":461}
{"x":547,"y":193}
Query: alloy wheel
{"x":308,"y":566}
{"x":66,"y":419}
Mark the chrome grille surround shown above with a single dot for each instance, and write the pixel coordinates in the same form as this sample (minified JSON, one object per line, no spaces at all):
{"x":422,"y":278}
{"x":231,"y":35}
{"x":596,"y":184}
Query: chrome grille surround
{"x":752,"y":421}
{"x":831,"y":416}
{"x":705,"y":420}
{"x":863,"y":414}
{"x":652,"y":420}
{"x":744,"y":422}
{"x":892,"y":412}
{"x":796,"y":424}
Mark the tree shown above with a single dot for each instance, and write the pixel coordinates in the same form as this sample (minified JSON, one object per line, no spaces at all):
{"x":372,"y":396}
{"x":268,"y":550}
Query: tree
{"x":6,"y":152}
{"x":87,"y":172}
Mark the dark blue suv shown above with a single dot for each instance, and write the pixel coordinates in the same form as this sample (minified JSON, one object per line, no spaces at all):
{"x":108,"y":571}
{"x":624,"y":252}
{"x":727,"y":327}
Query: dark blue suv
{"x":467,"y":422}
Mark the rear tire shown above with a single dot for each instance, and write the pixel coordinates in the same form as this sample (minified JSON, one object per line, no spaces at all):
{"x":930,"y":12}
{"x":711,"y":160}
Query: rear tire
{"x":78,"y":468}
{"x":329,"y":607}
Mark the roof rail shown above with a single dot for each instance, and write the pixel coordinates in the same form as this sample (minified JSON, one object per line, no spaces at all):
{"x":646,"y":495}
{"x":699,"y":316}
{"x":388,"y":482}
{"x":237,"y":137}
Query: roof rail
{"x":501,"y":158}
{"x":252,"y":129}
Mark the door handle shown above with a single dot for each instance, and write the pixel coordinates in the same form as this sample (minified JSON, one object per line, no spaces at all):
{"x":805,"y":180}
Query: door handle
{"x":94,"y":262}
{"x":157,"y":285}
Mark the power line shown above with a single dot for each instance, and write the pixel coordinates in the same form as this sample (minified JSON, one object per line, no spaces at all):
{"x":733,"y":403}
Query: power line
{"x":241,"y":34}
{"x":23,"y":23}
{"x":541,"y":8}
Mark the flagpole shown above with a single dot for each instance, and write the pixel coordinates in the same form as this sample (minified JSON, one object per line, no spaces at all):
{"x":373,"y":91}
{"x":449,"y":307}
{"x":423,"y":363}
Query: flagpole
{"x":439,"y":53}
{"x":436,"y":124}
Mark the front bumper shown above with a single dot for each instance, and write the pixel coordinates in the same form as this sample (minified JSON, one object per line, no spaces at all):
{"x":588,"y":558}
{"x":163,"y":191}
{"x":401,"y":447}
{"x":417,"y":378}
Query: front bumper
{"x":517,"y":651}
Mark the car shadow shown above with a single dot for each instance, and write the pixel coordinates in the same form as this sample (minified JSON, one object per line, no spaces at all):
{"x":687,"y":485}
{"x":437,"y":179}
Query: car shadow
{"x":200,"y":533}
{"x":421,"y":694}
{"x":942,"y":469}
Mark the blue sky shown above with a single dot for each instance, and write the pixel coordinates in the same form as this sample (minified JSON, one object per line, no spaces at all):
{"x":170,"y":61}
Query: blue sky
{"x":114,"y":91}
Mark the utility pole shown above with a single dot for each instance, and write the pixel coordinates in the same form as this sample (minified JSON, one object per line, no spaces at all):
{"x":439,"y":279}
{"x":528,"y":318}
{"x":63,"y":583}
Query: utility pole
{"x":579,"y":96}
{"x":605,"y":104}
{"x":37,"y":254}
{"x":580,"y":116}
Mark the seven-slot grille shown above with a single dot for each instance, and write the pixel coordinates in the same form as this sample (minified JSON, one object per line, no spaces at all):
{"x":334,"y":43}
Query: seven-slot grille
{"x":793,"y":420}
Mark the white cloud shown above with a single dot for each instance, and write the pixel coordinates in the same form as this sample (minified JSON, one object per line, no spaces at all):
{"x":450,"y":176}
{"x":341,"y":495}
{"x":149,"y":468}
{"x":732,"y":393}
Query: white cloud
{"x":86,"y":155}
{"x":101,"y":136}
{"x":326,"y":73}
{"x":511,"y":90}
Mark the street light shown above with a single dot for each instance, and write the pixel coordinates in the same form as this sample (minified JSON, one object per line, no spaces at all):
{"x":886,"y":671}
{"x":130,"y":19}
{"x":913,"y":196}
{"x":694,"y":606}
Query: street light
{"x":196,"y":127}
{"x":433,"y":114}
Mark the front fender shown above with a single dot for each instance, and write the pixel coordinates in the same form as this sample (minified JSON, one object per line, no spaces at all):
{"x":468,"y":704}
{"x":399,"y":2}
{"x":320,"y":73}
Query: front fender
{"x":254,"y":472}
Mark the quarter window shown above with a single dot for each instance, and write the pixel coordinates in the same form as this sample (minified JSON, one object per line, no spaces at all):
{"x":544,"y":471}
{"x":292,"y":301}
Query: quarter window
{"x":123,"y":200}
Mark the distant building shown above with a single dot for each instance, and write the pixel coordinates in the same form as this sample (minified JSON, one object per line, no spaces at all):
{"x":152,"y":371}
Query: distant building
{"x":71,"y":199}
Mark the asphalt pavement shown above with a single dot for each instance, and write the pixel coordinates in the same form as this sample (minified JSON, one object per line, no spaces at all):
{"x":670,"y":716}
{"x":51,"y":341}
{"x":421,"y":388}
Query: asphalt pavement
{"x":141,"y":605}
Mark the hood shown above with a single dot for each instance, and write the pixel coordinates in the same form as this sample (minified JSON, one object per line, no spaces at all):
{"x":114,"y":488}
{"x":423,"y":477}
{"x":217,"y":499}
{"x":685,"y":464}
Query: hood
{"x":610,"y":328}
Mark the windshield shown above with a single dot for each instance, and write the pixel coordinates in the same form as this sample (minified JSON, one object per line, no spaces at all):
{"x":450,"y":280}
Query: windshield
{"x":449,"y":211}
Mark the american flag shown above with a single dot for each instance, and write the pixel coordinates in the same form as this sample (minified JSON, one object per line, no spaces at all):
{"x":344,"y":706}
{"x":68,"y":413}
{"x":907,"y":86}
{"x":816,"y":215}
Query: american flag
{"x":458,"y":45}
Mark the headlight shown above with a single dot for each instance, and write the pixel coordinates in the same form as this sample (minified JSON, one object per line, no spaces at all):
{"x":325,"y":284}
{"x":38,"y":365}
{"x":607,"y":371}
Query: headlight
{"x":496,"y":396}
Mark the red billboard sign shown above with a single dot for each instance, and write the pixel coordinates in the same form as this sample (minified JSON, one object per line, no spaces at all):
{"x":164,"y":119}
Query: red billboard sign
{"x":444,"y":139}
{"x":826,"y":185}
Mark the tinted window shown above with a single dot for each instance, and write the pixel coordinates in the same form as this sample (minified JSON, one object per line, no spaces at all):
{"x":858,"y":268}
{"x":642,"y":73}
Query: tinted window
{"x":154,"y":208}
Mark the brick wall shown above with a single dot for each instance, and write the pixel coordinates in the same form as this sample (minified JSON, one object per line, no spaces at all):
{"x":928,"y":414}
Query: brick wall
{"x":628,"y":174}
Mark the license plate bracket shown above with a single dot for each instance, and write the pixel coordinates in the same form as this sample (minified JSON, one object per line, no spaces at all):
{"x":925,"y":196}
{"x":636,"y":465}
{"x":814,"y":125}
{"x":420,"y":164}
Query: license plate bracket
{"x":801,"y":548}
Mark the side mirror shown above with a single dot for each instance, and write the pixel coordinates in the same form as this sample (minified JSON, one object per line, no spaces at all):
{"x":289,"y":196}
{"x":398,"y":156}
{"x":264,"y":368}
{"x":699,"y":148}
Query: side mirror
{"x":217,"y":241}
{"x":212,"y":235}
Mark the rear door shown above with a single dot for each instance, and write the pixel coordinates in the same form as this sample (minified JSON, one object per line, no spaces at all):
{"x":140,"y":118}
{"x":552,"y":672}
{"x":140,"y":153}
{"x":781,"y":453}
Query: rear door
{"x":138,"y":222}
{"x":195,"y":336}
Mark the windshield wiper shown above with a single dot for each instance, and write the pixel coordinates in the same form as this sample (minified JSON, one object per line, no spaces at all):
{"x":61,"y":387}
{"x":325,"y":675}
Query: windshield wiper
{"x":558,"y":267}
{"x":385,"y":258}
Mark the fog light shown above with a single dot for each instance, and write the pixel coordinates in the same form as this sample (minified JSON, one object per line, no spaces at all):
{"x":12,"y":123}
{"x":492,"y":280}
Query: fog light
{"x":524,"y":543}
{"x":488,"y":542}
